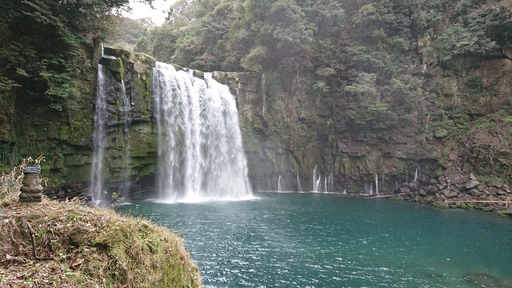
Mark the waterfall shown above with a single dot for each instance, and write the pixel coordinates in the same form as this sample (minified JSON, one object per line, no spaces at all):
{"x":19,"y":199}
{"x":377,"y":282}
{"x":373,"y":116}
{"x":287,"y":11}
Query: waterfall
{"x":376,"y":183}
{"x":368,"y":188}
{"x":316,"y":182}
{"x":125,"y":109}
{"x":279,"y":187}
{"x":99,"y":139}
{"x":199,"y":140}
{"x":416,"y":174}
{"x":330,"y":181}
{"x":299,"y":186}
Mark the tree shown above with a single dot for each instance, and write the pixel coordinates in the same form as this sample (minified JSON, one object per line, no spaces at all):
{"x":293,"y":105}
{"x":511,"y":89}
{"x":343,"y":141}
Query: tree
{"x":363,"y":88}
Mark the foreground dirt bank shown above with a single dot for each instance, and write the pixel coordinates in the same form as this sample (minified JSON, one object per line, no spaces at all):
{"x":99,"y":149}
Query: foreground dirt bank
{"x":64,"y":244}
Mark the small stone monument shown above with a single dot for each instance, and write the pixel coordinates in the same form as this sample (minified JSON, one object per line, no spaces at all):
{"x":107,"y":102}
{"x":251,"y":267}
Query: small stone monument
{"x":31,"y":189}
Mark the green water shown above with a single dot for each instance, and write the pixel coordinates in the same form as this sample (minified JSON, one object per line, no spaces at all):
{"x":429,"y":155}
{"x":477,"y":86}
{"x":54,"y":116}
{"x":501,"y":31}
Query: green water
{"x":319,"y":240}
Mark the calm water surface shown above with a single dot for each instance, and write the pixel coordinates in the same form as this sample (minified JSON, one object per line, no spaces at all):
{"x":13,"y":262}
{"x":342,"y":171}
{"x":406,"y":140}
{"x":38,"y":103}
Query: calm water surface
{"x":325,"y":240}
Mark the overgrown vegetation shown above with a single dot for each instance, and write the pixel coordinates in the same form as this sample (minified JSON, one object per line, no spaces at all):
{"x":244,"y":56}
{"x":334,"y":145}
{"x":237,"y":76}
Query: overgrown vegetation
{"x":69,"y":245}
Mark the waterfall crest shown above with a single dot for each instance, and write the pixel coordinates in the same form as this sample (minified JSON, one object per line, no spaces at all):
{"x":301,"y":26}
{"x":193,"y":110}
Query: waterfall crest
{"x":199,"y":140}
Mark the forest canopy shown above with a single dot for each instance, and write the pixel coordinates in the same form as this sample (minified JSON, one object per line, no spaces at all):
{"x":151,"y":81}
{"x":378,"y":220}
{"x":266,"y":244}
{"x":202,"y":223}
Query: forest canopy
{"x":360,"y":57}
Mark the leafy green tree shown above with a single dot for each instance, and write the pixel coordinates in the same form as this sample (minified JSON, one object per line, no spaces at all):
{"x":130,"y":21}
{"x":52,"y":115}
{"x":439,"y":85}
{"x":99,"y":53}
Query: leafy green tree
{"x":459,"y":40}
{"x":129,"y":32}
{"x":363,"y":88}
{"x":287,"y":27}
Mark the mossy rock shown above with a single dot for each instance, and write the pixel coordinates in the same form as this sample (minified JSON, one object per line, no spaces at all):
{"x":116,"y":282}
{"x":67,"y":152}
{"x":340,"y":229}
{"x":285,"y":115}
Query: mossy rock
{"x":144,"y":62}
{"x":442,"y":205}
{"x":114,"y":68}
{"x":466,"y":206}
{"x":118,"y":53}
{"x":199,"y":74}
{"x":177,"y":67}
{"x":78,"y":173}
{"x":397,"y":198}
{"x":147,"y":170}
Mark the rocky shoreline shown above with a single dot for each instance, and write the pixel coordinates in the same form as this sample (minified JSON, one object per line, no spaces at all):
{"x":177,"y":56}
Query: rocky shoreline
{"x":464,"y":192}
{"x":459,"y":192}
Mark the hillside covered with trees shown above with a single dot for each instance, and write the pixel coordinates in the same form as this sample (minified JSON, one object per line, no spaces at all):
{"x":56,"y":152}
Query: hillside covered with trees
{"x":368,"y":61}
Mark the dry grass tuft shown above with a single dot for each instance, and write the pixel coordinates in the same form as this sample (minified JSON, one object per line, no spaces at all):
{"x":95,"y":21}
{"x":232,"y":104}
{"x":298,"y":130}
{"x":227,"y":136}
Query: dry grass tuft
{"x":69,"y":245}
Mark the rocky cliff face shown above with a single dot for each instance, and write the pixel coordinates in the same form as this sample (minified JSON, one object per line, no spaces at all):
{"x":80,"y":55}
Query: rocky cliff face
{"x":471,"y":131}
{"x":131,"y":148}
{"x":454,"y":150}
{"x":28,"y":129}
{"x":287,"y":134}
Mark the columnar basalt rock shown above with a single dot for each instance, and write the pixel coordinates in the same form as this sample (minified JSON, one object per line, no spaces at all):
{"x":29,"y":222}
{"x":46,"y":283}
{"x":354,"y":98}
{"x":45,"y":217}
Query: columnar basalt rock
{"x":31,"y":189}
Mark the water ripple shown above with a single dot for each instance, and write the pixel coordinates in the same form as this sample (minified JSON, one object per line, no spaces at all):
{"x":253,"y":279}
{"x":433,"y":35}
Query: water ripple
{"x":304,"y":240}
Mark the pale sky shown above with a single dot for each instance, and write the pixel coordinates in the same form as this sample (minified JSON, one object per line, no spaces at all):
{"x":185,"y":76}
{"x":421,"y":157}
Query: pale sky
{"x":142,"y":10}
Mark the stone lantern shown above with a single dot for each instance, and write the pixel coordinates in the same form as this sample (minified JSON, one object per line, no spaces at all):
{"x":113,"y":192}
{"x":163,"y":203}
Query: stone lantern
{"x":31,"y":189}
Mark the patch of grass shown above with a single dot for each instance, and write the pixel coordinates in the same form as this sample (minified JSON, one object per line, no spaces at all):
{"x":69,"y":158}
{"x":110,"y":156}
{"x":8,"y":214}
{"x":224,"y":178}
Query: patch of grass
{"x":485,"y":125}
{"x":490,"y":179}
{"x":65,"y":244}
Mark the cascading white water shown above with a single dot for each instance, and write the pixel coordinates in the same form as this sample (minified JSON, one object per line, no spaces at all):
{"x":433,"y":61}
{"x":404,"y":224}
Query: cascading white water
{"x":199,"y":143}
{"x":416,"y":174}
{"x":316,"y":182}
{"x":376,"y":183}
{"x":279,"y":184}
{"x":299,"y":186}
{"x":368,"y":188}
{"x":99,"y":139}
{"x":330,"y":182}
